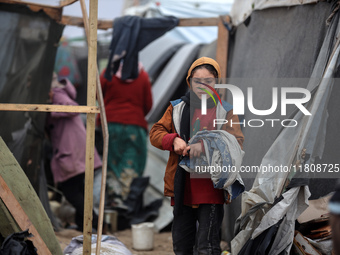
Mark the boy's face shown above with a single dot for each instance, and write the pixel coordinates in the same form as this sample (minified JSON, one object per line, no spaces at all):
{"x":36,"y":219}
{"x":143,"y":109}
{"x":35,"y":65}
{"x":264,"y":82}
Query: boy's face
{"x":200,"y":76}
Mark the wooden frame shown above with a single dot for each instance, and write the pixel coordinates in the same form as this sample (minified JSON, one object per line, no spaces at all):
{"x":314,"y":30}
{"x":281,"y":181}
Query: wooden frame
{"x":91,"y":109}
{"x":222,"y":38}
{"x":106,"y":24}
{"x":49,"y":108}
{"x":105,"y":138}
{"x":90,"y":125}
{"x":222,"y":49}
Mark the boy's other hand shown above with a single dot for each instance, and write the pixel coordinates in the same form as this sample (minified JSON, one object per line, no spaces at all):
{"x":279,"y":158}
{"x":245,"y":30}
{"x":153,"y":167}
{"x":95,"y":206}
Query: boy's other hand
{"x":179,"y":146}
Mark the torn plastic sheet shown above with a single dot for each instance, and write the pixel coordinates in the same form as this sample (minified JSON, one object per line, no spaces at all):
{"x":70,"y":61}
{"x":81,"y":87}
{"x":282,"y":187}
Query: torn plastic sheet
{"x":306,"y":136}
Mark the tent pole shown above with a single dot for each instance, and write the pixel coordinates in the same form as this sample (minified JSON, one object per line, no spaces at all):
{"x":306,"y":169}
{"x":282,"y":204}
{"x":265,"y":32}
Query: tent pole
{"x":90,"y":126}
{"x":105,"y":137}
{"x":222,"y":48}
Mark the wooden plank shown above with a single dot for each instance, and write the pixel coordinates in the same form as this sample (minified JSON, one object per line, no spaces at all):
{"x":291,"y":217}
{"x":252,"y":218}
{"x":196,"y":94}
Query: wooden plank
{"x":79,"y":22}
{"x":8,"y":225}
{"x":105,"y":138}
{"x":222,"y":49}
{"x":198,"y":22}
{"x":90,"y":125}
{"x":104,"y":161}
{"x":106,"y":24}
{"x":53,"y":13}
{"x":20,"y":191}
{"x":21,"y":218}
{"x":49,"y":108}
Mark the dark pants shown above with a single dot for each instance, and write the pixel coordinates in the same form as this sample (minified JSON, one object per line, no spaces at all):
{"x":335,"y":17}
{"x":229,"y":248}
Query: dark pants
{"x":204,"y":238}
{"x":73,"y":190}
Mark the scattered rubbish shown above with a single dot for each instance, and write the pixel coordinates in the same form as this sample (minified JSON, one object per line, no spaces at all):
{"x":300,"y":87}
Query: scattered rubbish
{"x":17,"y":243}
{"x":109,"y":245}
{"x":302,"y":245}
{"x":313,"y":235}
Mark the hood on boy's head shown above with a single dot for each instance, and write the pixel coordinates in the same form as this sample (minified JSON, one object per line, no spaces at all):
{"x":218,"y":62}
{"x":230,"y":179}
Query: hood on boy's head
{"x":203,"y":61}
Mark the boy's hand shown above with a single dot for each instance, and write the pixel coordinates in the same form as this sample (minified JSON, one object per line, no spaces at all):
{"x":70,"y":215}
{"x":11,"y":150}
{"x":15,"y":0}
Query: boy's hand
{"x":179,"y":146}
{"x":195,"y":150}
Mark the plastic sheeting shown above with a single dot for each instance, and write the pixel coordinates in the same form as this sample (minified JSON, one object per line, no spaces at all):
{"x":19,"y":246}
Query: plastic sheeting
{"x":170,"y":79}
{"x":279,"y":48}
{"x":157,"y":54}
{"x":280,"y":219}
{"x":242,"y":9}
{"x":27,"y":59}
{"x":109,"y":245}
{"x":303,"y":143}
{"x":28,"y":47}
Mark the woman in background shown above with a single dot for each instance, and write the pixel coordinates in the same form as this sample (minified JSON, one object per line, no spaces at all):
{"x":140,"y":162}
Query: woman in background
{"x":68,"y":139}
{"x":127,"y":102}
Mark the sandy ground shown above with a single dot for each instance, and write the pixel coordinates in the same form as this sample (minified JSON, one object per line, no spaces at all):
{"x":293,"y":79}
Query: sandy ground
{"x":162,"y":241}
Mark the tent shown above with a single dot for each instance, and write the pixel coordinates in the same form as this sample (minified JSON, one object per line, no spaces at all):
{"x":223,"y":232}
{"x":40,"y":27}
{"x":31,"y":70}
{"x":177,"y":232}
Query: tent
{"x":286,"y":44}
{"x":27,"y":60}
{"x":36,"y":37}
{"x":185,"y":9}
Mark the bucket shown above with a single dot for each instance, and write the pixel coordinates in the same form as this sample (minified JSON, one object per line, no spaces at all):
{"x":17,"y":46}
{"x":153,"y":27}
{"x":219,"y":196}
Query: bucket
{"x":142,"y":236}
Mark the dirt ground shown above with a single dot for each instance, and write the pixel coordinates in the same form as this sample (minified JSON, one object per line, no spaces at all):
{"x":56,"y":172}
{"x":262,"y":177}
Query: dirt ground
{"x":162,"y":241}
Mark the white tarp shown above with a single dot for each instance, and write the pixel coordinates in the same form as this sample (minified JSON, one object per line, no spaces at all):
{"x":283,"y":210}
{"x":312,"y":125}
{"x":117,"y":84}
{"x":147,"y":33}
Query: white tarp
{"x":242,"y":9}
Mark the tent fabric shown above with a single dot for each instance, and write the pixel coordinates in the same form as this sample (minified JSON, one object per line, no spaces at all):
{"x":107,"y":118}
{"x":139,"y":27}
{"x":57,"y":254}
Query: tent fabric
{"x":308,"y":137}
{"x":294,"y":202}
{"x":170,"y":79}
{"x":278,"y":43}
{"x":164,"y":47}
{"x":274,"y":234}
{"x":27,"y":79}
{"x":186,"y":9}
{"x":27,"y":56}
{"x":242,"y":9}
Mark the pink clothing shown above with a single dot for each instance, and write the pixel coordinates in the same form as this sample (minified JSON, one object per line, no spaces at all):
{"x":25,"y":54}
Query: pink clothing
{"x":68,"y":137}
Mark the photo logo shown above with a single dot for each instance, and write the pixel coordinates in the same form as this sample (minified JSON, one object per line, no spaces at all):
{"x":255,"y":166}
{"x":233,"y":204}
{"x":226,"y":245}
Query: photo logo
{"x":239,"y":104}
{"x":204,"y":97}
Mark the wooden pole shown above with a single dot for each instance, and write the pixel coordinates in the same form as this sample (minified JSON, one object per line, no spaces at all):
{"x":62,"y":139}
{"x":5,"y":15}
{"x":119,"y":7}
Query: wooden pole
{"x":105,"y":138}
{"x":90,"y":126}
{"x":222,"y":48}
{"x":106,"y":24}
{"x":48,"y":108}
